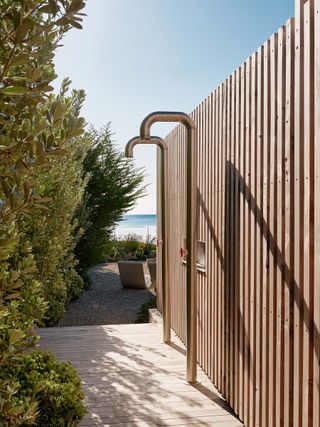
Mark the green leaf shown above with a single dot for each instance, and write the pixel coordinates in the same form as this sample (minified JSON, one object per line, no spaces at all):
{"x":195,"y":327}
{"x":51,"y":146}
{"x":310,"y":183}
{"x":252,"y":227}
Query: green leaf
{"x":19,"y":80}
{"x":41,"y":87}
{"x":15,"y":295}
{"x":40,"y":148}
{"x":16,"y":16}
{"x":45,"y":9}
{"x":76,"y":5}
{"x":22,"y":31}
{"x":6,"y":188}
{"x":37,"y":73}
{"x":63,"y":21}
{"x":26,"y":189}
{"x":21,"y":59}
{"x":45,"y":199}
{"x":15,"y":336}
{"x":14,"y":90}
{"x":75,"y":24}
{"x":17,"y":178}
{"x":17,"y":410}
{"x":56,"y":151}
{"x":59,"y":111}
{"x":54,"y":8}
{"x":50,"y":141}
{"x":39,"y":206}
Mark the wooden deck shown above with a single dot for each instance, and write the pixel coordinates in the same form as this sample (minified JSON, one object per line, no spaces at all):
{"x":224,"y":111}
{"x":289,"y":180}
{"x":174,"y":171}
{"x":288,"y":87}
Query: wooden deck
{"x":132,"y":379}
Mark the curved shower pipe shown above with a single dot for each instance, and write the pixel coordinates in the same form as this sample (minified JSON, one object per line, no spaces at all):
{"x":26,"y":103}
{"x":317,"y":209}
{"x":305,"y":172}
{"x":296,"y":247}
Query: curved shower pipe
{"x":164,"y":237}
{"x":187,"y":121}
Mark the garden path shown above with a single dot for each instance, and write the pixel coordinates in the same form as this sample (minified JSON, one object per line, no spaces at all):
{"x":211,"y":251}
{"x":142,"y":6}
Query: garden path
{"x":106,"y":302}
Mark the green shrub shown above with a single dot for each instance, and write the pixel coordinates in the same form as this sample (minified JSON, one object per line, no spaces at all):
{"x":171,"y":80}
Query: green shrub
{"x":114,"y":185}
{"x":52,"y":388}
{"x":87,"y":282}
{"x":143,"y":313}
{"x":54,"y":232}
{"x":131,"y":248}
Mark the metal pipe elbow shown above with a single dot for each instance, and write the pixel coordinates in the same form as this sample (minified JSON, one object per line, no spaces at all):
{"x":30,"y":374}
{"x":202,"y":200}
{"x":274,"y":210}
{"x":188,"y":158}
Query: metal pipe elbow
{"x":164,"y":116}
{"x":157,"y":140}
{"x":128,"y":151}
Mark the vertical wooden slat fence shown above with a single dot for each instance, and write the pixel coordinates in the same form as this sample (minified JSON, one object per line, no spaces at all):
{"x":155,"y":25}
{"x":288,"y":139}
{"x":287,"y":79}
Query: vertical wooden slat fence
{"x":259,"y":214}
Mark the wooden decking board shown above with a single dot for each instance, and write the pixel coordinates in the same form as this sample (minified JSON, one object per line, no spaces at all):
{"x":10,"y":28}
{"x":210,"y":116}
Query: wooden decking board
{"x":131,"y":378}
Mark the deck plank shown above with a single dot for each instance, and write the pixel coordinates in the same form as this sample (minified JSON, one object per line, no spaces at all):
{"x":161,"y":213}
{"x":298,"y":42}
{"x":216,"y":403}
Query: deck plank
{"x":131,"y":378}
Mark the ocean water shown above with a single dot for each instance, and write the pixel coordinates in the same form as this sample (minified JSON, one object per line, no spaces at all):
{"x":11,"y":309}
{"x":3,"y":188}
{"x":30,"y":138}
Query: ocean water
{"x":141,"y":225}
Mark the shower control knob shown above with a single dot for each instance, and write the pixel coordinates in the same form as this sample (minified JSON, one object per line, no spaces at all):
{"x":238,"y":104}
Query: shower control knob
{"x":183,"y":252}
{"x":159,"y":242}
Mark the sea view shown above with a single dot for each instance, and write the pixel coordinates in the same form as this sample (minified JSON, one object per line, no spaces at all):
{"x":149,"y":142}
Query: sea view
{"x":142,"y":225}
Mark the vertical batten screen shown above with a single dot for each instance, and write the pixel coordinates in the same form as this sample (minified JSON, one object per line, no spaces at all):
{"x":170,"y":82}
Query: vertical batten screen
{"x":259,"y":197}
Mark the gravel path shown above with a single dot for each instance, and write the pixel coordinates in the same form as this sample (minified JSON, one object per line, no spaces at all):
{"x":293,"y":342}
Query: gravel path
{"x":106,"y":302}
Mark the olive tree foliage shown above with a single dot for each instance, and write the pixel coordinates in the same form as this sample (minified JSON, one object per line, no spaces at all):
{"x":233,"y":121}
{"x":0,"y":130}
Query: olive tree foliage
{"x":54,"y":231}
{"x":30,"y":32}
{"x":35,"y":128}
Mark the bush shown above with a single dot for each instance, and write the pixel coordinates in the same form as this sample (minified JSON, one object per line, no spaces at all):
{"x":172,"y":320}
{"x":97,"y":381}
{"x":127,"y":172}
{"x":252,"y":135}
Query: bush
{"x":84,"y":274}
{"x":143,"y":313}
{"x":131,"y":248}
{"x":51,"y":388}
{"x":114,"y":185}
{"x":53,"y":232}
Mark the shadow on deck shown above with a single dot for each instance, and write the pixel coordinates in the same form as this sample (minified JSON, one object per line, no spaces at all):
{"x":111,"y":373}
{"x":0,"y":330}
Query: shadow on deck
{"x":132,"y":379}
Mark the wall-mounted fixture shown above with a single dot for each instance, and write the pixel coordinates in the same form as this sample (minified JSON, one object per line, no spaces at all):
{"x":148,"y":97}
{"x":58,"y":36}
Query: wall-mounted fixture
{"x":201,"y":254}
{"x":191,"y":232}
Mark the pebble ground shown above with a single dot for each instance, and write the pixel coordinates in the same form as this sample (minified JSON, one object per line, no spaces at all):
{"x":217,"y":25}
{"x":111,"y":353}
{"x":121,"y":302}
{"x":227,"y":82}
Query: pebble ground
{"x":106,"y":302}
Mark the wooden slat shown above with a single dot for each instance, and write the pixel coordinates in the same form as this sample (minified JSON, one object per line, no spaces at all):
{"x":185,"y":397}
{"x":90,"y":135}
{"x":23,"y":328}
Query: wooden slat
{"x":252,"y":345}
{"x":279,"y":248}
{"x":227,"y":241}
{"x":309,"y":305}
{"x":219,"y":235}
{"x":288,"y":365}
{"x":216,"y":227}
{"x":210,"y":256}
{"x":272,"y":231}
{"x":207,"y":236}
{"x":316,"y":267}
{"x":242,"y":231}
{"x":247,"y":236}
{"x":213,"y":238}
{"x":265,"y":229}
{"x":231,"y":347}
{"x":223,"y":234}
{"x":307,"y":280}
{"x":259,"y":219}
{"x":305,"y":290}
{"x":298,"y":216}
{"x":237,"y":354}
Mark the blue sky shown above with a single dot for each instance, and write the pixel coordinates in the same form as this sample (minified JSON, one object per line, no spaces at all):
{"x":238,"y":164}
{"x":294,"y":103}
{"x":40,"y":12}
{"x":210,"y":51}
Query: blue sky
{"x":137,"y":56}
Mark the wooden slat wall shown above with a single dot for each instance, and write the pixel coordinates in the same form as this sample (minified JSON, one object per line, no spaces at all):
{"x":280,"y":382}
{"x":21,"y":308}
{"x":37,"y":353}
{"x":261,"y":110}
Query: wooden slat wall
{"x":259,"y":214}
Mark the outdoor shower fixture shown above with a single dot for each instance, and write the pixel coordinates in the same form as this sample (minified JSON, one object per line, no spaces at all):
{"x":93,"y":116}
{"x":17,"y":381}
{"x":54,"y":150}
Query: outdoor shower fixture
{"x":164,"y":237}
{"x":191,"y":232}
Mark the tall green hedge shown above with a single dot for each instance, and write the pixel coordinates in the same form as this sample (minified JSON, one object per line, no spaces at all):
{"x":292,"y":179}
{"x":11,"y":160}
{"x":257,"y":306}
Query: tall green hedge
{"x":114,"y":185}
